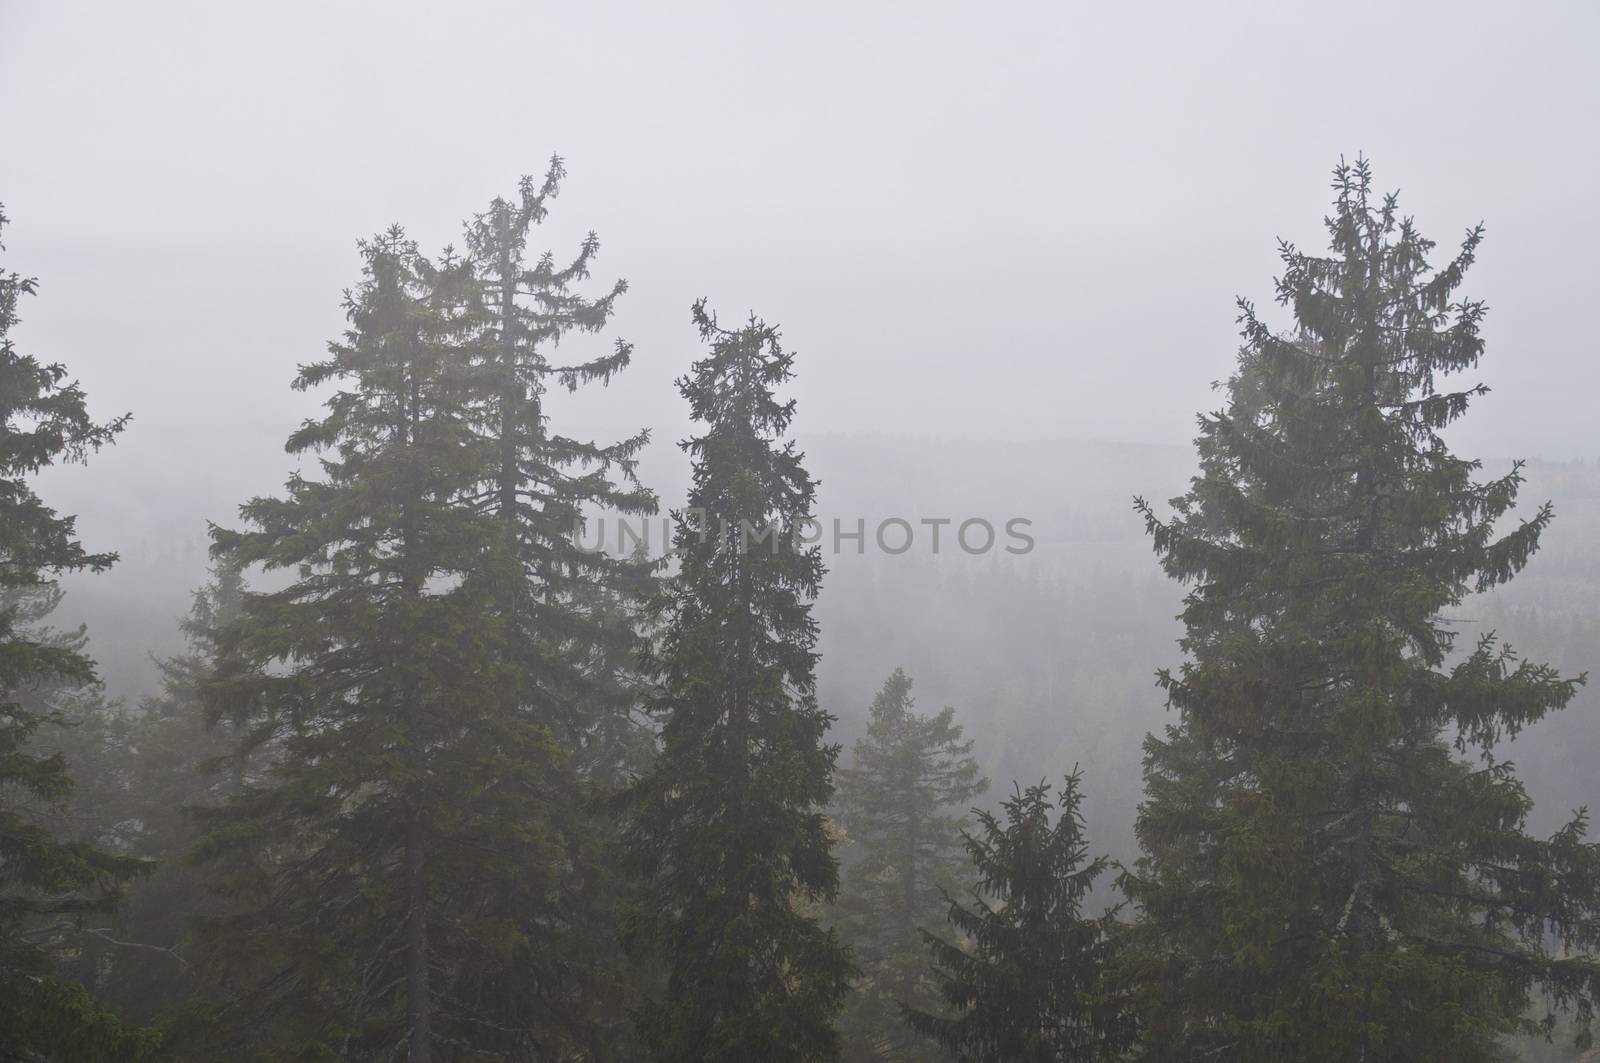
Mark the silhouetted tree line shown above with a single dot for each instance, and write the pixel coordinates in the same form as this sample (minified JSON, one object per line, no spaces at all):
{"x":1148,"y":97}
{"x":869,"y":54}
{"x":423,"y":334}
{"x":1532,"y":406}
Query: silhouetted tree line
{"x":433,"y":782}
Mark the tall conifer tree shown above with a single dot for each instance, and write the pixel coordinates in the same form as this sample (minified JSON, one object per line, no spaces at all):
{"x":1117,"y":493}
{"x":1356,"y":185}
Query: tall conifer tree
{"x":1030,"y":976}
{"x":560,"y":603}
{"x":728,"y":824}
{"x":903,"y":802}
{"x":1325,"y":878}
{"x":46,"y":883}
{"x":389,"y":881}
{"x":567,"y":617}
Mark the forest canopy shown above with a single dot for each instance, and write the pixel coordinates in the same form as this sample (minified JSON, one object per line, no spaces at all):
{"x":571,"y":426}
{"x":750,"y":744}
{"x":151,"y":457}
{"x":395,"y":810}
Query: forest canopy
{"x":433,"y":778}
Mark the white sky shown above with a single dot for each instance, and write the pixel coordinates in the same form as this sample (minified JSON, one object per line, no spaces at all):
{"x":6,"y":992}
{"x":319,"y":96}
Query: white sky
{"x":1023,"y":220}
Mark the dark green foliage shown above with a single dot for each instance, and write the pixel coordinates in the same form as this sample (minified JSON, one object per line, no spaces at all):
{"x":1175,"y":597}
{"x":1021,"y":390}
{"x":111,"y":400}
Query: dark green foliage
{"x":1326,"y":878}
{"x":616,"y":741}
{"x":1029,"y":976}
{"x":616,"y":745}
{"x":449,"y":685}
{"x":560,"y":604}
{"x":47,"y":884}
{"x":728,"y":826}
{"x":390,"y":880}
{"x":565,"y":634}
{"x":902,"y":803}
{"x":47,"y":1020}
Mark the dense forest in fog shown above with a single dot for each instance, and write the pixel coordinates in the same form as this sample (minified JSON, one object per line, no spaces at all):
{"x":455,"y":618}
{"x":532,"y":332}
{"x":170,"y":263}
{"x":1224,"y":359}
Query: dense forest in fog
{"x":1048,"y":657}
{"x":393,"y":764}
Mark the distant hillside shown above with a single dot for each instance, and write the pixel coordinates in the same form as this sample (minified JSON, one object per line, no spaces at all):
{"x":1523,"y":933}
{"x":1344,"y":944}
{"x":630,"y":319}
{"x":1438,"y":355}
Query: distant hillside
{"x":1048,"y":657}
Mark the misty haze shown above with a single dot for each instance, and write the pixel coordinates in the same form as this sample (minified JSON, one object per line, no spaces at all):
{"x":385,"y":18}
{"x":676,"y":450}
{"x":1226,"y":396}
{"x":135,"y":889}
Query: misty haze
{"x":731,"y":533}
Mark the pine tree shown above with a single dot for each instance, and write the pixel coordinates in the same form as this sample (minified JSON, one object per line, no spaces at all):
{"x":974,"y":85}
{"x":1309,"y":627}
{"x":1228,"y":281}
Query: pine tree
{"x":1325,"y":876}
{"x":388,"y":880}
{"x":47,"y":884}
{"x":561,"y":605}
{"x":1030,"y":976}
{"x":728,"y":825}
{"x":567,"y":617}
{"x":903,"y":803}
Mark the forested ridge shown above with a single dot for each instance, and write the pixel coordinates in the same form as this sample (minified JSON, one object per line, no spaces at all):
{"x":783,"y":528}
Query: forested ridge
{"x":421,"y":775}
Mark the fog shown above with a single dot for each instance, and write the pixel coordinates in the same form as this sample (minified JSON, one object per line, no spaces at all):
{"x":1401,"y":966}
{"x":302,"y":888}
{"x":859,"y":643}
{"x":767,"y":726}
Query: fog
{"x":1003,"y":241}
{"x":1024,"y":224}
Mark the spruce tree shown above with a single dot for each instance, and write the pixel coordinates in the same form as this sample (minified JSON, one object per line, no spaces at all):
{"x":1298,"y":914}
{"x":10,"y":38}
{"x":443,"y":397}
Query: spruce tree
{"x":903,"y":803}
{"x":1029,"y":977}
{"x":567,"y":618}
{"x":387,"y":881}
{"x":560,"y":604}
{"x":1326,"y":875}
{"x":47,"y":884}
{"x":728,"y":825}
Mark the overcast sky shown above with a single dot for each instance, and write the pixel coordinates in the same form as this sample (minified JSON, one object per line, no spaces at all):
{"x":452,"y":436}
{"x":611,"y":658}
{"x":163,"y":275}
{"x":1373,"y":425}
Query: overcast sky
{"x":980,"y":220}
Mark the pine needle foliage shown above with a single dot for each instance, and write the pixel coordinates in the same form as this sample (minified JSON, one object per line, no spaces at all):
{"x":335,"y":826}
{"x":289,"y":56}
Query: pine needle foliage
{"x":903,"y":803}
{"x":47,"y":884}
{"x":728,"y":826}
{"x":1336,"y":862}
{"x":1029,"y":974}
